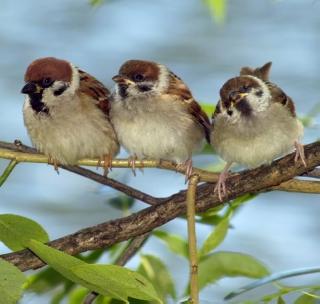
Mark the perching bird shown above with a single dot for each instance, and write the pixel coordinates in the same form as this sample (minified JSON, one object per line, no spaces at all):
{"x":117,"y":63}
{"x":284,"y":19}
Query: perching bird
{"x":155,"y":115}
{"x":254,"y":123}
{"x":66,"y":112}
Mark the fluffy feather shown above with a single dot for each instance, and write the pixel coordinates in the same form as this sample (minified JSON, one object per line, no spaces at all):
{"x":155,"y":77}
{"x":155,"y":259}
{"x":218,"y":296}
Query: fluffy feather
{"x":76,"y":125}
{"x":163,"y":122}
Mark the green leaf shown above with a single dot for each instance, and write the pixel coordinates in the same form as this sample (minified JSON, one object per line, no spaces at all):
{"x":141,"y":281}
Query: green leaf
{"x":208,"y":108}
{"x":229,"y":264}
{"x":214,"y":219}
{"x":215,"y":238}
{"x":281,"y":301}
{"x":239,"y":201}
{"x":44,"y":281}
{"x":62,"y":263}
{"x":47,"y":279}
{"x":217,"y":9}
{"x":77,"y":295}
{"x":121,"y":202}
{"x":156,"y":272}
{"x":207,"y":149}
{"x":122,"y":282}
{"x":57,"y":259}
{"x":90,"y":276}
{"x":174,"y":242}
{"x":16,"y":231}
{"x":96,"y":2}
{"x":11,"y":283}
{"x":306,"y":299}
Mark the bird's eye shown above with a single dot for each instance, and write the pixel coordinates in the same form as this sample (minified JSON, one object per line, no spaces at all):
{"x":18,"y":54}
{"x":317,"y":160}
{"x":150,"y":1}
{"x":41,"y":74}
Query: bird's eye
{"x":138,"y":77}
{"x":47,"y":82}
{"x":244,"y":89}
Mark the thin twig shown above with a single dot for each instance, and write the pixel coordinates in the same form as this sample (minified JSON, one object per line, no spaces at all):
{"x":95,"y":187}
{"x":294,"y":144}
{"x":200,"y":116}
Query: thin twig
{"x":7,"y":171}
{"x":192,"y":239}
{"x":142,"y":196}
{"x":296,"y":185}
{"x":23,"y":153}
{"x":132,"y":248}
{"x":315,"y":173}
{"x":17,"y":146}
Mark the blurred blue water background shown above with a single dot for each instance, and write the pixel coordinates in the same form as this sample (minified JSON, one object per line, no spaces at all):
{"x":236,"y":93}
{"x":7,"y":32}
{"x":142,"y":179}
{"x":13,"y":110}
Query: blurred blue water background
{"x":281,"y":229}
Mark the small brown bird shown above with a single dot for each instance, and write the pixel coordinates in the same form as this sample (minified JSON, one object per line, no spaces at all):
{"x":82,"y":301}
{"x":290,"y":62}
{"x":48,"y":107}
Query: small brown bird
{"x":254,"y":123}
{"x":66,"y":112}
{"x":155,"y":115}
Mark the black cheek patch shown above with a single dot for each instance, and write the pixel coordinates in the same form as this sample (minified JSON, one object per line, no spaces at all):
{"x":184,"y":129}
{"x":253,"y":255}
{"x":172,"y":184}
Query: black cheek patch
{"x":144,"y":88}
{"x":244,"y":108}
{"x":36,"y":103}
{"x":123,"y":90}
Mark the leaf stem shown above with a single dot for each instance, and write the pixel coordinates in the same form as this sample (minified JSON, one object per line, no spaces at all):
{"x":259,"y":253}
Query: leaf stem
{"x":7,"y":171}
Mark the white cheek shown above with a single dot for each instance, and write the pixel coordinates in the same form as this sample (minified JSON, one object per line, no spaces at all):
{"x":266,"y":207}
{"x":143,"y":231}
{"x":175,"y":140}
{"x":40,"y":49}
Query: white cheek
{"x":57,"y":85}
{"x":259,"y":104}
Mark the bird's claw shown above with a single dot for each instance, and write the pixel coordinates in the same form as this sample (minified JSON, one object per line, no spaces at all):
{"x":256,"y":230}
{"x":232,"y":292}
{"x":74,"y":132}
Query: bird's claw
{"x":300,"y":153}
{"x":220,"y":187}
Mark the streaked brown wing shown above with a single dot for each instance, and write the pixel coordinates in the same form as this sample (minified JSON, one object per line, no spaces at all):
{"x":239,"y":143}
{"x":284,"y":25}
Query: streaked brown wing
{"x":95,"y":89}
{"x":216,"y":112}
{"x":179,"y":88}
{"x":281,"y":97}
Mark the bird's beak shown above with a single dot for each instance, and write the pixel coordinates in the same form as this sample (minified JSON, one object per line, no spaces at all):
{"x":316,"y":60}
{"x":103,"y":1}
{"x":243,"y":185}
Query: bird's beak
{"x":122,"y":80}
{"x":241,"y":95}
{"x":237,"y":97}
{"x":30,"y":88}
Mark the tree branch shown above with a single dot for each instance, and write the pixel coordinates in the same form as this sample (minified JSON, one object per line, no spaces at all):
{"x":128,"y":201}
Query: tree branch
{"x":122,"y":229}
{"x":297,"y":185}
{"x":192,"y":239}
{"x":22,"y":153}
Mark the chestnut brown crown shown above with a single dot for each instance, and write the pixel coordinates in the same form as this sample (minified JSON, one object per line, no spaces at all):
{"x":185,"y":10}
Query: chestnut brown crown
{"x":48,"y":67}
{"x":140,"y":70}
{"x":234,"y":87}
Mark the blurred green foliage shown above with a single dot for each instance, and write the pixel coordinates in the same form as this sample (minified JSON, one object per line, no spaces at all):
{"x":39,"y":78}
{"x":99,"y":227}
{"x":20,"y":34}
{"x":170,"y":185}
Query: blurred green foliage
{"x":217,"y":8}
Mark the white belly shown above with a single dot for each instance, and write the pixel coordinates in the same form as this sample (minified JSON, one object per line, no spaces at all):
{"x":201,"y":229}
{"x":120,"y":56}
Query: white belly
{"x":157,"y":133}
{"x":267,"y":138}
{"x":69,"y":136}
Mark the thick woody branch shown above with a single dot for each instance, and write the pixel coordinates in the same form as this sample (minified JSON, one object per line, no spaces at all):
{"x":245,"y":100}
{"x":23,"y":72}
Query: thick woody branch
{"x":118,"y":230}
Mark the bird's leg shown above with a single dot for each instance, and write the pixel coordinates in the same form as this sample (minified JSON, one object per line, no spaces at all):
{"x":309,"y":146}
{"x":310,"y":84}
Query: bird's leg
{"x":299,"y":153}
{"x":54,"y":162}
{"x":186,"y":167}
{"x":132,"y":163}
{"x":220,"y":186}
{"x":106,"y":162}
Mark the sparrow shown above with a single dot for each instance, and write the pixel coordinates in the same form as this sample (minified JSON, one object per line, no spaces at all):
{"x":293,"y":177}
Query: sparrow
{"x":155,"y":115}
{"x":66,"y":113}
{"x":254,"y":122}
